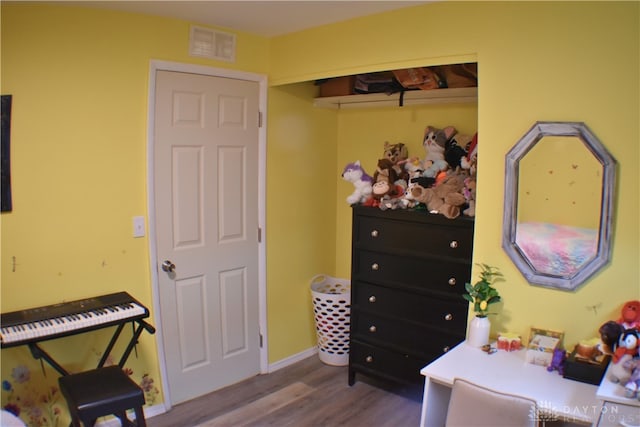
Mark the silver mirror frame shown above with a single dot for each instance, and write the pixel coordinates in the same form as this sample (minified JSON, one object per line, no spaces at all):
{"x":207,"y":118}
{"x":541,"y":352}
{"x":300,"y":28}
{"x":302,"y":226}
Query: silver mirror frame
{"x":512,"y":160}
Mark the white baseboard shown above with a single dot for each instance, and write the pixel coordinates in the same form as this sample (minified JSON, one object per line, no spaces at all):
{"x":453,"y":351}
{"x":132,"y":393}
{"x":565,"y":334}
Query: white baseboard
{"x":293,"y":359}
{"x":152,"y":411}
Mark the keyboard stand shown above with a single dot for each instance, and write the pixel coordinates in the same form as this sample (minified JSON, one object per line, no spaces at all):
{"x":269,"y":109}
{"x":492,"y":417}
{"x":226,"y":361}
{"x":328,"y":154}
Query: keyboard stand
{"x":39,"y":354}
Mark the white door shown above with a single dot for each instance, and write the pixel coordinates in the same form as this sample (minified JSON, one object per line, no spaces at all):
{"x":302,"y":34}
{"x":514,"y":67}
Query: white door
{"x":206,"y":207}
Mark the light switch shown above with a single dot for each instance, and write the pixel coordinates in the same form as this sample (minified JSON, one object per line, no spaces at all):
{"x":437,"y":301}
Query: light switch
{"x":138,"y":226}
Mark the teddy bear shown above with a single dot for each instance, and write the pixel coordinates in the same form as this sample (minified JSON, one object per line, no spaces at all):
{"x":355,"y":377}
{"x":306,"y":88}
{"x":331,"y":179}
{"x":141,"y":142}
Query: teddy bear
{"x":630,"y":315}
{"x":434,"y":143}
{"x":397,"y":154}
{"x":469,"y":192}
{"x":362,"y":182}
{"x":617,"y":372}
{"x":444,"y":198}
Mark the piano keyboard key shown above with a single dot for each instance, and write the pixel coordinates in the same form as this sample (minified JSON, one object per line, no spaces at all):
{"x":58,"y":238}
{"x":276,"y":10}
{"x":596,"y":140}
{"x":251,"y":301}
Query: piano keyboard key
{"x":70,"y":322}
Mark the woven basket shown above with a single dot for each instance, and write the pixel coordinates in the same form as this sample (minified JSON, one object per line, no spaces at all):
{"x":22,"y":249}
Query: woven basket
{"x":332,"y":314}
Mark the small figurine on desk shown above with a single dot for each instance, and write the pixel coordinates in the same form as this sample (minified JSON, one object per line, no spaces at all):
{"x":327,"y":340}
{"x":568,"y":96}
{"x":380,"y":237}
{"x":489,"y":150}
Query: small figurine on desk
{"x":509,"y":341}
{"x":557,"y":362}
{"x":487,"y":348}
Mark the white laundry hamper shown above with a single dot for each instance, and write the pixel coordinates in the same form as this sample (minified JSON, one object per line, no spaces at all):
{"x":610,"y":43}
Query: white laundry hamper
{"x":332,"y":314}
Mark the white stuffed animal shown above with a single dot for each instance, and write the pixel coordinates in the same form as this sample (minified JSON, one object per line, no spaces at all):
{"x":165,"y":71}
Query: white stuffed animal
{"x":362,"y":183}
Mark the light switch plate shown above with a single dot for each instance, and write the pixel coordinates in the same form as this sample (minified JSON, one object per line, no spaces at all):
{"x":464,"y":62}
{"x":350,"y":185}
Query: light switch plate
{"x":138,"y":226}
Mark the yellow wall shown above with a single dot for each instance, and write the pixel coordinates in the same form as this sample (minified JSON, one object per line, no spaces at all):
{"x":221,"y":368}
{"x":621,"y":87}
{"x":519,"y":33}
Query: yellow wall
{"x":301,"y":207}
{"x":556,"y":61}
{"x":79,"y":80}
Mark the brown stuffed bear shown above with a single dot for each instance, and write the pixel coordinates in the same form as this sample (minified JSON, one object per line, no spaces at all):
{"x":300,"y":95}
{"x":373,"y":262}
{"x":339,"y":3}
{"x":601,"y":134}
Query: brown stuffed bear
{"x":469,"y":193}
{"x":386,"y":169}
{"x":446,"y":198}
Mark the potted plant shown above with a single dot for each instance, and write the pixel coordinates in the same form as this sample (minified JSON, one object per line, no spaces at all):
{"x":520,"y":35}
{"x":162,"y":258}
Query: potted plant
{"x":481,"y":295}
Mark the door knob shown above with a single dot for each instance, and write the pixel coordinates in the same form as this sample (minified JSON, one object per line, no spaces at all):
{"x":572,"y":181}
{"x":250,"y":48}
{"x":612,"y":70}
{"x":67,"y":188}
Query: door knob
{"x":168,"y":266}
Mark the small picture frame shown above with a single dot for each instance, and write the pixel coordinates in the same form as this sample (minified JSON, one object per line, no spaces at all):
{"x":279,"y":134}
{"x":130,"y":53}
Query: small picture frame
{"x":542,"y":343}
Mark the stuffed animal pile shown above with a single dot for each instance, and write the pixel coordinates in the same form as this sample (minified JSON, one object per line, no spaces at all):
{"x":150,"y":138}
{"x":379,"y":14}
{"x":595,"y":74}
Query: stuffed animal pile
{"x":621,"y":339}
{"x":443,"y":182}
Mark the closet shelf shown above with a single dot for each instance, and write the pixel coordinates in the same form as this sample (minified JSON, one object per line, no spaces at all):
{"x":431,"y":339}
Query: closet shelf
{"x":413,"y":97}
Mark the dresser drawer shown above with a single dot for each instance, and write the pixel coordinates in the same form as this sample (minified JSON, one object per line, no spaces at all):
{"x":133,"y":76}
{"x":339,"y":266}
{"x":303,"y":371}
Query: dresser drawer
{"x":419,"y":340}
{"x":444,"y":240}
{"x":389,"y":364}
{"x":421,"y":273}
{"x":439,"y":313}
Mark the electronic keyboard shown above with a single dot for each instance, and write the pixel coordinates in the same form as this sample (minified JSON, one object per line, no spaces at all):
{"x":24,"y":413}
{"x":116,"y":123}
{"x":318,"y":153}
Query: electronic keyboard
{"x":68,"y":318}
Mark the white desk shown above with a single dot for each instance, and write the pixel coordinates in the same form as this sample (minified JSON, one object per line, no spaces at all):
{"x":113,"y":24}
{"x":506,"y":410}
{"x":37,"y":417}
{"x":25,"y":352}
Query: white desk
{"x":506,"y":372}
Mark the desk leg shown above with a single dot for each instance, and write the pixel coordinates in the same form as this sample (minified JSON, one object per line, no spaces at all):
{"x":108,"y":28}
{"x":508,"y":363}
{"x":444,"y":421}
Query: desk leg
{"x":435,"y":403}
{"x":598,"y":413}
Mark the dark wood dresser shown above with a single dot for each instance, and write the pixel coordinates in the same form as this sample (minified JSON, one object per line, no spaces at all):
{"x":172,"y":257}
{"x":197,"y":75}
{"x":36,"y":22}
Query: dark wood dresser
{"x":408,"y":273}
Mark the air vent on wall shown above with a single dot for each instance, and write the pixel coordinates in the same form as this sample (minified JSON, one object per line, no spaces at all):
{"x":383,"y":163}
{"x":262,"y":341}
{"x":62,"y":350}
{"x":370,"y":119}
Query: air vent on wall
{"x":212,"y":44}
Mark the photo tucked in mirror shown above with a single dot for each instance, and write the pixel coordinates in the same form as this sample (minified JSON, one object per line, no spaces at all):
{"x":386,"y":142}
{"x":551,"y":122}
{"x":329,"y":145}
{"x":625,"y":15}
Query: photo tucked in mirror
{"x":559,"y":184}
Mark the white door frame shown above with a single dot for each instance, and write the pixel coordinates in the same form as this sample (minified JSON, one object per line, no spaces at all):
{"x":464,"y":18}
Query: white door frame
{"x":155,"y":66}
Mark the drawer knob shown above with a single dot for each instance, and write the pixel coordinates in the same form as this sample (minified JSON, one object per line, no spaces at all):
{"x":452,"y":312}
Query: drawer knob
{"x":375,"y":266}
{"x":449,"y":316}
{"x":372,"y":298}
{"x":453,"y":244}
{"x":372,"y":328}
{"x":369,"y":359}
{"x":374,"y":233}
{"x":445,"y":349}
{"x":452,"y":281}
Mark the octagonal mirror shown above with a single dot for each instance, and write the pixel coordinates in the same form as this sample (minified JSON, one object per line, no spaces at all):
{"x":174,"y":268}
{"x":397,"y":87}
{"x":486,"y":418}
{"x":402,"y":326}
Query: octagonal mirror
{"x":559,"y":189}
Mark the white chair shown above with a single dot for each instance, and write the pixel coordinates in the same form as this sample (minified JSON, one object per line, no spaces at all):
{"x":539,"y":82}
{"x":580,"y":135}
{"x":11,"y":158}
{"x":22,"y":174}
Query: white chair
{"x":7,"y":419}
{"x":474,"y":405}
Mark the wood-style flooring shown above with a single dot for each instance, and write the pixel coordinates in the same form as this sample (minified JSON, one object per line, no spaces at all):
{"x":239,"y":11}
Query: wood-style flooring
{"x":307,"y":393}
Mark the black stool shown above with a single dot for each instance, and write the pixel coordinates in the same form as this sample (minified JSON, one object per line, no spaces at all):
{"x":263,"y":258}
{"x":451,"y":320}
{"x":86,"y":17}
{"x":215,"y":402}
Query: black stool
{"x":99,"y":392}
